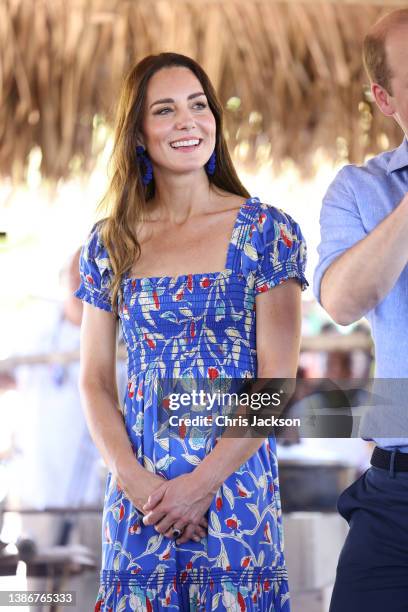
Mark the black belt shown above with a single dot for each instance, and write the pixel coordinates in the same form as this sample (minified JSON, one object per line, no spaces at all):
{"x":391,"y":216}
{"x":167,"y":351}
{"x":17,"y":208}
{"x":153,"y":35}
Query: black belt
{"x":382,"y":459}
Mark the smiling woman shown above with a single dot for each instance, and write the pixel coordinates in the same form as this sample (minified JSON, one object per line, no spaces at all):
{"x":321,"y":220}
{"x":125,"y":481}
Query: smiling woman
{"x":183,"y":258}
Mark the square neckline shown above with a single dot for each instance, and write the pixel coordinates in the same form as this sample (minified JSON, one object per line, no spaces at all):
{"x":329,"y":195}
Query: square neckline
{"x":228,"y":258}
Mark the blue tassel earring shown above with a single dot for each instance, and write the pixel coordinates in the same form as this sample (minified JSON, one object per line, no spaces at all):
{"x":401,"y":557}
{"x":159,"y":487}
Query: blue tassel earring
{"x":144,"y":161}
{"x":210,"y":165}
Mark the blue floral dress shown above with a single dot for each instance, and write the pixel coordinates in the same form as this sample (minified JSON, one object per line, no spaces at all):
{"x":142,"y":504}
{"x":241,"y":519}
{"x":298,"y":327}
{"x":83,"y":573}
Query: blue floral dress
{"x":200,"y":326}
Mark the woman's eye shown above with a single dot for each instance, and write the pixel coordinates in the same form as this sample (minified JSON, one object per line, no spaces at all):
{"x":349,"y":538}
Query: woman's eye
{"x":201,"y":105}
{"x":163,"y":111}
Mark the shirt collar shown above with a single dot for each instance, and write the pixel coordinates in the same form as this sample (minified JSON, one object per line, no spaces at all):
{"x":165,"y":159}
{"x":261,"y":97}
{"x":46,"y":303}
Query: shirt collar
{"x":399,"y":157}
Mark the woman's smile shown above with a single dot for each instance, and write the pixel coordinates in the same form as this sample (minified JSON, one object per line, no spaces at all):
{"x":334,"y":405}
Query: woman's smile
{"x":186,"y":145}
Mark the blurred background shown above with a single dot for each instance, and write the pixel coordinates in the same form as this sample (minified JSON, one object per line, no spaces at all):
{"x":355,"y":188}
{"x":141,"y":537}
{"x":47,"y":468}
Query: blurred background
{"x":297,"y":107}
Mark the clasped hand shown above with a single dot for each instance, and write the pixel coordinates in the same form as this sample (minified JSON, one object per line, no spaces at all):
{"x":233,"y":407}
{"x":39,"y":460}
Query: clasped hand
{"x":183,"y":502}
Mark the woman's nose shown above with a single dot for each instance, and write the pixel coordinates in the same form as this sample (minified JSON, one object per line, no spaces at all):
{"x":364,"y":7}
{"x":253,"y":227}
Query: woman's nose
{"x":184,"y":120}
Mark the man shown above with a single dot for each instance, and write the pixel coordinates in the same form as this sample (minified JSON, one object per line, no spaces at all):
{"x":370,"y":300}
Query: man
{"x":363,"y":271}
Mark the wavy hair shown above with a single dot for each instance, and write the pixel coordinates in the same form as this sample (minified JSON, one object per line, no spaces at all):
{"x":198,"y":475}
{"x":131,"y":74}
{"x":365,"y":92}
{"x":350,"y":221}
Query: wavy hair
{"x":126,"y":197}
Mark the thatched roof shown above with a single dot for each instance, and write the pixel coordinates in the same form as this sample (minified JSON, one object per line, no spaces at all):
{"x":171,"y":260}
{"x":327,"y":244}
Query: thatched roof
{"x":289,"y":73}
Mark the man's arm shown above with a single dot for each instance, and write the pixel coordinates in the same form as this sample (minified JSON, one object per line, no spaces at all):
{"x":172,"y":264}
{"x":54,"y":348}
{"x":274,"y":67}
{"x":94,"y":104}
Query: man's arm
{"x":362,"y":276}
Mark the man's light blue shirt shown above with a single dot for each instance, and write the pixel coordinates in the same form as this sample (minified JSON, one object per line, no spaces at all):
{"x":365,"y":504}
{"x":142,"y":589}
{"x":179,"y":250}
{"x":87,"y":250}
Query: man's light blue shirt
{"x":358,"y":199}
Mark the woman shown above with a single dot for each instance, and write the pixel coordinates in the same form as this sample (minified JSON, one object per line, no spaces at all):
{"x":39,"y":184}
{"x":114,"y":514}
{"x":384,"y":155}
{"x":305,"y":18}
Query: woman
{"x":189,"y":522}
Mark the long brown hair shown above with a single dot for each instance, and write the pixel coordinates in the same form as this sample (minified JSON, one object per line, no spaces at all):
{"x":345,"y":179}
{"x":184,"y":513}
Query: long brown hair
{"x":126,"y":196}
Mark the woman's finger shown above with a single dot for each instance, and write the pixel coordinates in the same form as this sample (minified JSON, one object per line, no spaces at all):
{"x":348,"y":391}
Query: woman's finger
{"x":189,"y":533}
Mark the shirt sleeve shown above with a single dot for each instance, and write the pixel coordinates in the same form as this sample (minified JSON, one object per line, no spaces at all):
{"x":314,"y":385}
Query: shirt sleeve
{"x":341,"y":225}
{"x":276,"y":250}
{"x":95,"y":272}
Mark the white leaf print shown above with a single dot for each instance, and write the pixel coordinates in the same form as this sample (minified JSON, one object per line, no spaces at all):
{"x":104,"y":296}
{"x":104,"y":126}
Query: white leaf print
{"x":116,"y":562}
{"x":164,"y":462}
{"x":136,"y":604}
{"x":193,"y":459}
{"x":197,"y":441}
{"x":232,"y":332}
{"x":170,"y":316}
{"x":146,"y":314}
{"x":228,"y":494}
{"x":236,"y":350}
{"x":215,"y":601}
{"x":153,"y":544}
{"x":163,"y":442}
{"x":185,"y":311}
{"x":250,"y":251}
{"x":189,"y":384}
{"x":215,"y":522}
{"x":122,"y":604}
{"x":284,"y":598}
{"x":254,"y":509}
{"x":148,"y":464}
{"x":261,"y":558}
{"x":210,"y":335}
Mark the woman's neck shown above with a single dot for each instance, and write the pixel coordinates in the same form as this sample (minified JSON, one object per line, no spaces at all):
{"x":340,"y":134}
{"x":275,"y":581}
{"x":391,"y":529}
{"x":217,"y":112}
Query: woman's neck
{"x":179,"y":197}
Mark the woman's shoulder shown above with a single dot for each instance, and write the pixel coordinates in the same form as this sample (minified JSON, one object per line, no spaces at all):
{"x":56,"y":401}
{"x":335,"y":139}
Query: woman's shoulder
{"x":94,"y":248}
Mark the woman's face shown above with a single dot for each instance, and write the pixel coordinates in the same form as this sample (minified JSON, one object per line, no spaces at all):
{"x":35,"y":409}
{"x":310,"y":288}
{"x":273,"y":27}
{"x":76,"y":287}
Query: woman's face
{"x":179,"y":128}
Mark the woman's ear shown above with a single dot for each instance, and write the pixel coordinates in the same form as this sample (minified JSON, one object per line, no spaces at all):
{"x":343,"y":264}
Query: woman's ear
{"x":140,"y":141}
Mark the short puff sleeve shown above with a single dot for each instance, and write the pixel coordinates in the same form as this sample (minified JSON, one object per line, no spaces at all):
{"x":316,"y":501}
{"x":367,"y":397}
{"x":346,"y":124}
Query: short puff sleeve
{"x":95,"y":272}
{"x":275,"y":250}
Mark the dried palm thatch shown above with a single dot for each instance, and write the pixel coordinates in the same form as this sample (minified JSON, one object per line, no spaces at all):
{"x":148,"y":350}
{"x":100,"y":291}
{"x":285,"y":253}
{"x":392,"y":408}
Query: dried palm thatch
{"x":289,"y":73}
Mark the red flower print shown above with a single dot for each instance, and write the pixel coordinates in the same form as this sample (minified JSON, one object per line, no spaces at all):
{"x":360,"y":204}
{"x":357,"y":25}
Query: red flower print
{"x":156,"y":299}
{"x":192,"y":329}
{"x":166,"y":403}
{"x":267,"y":585}
{"x":180,"y":294}
{"x":107,"y":534}
{"x":131,"y":389}
{"x":121,"y":512}
{"x":149,"y":606}
{"x":241,"y":601}
{"x":135,"y":528}
{"x":231,"y":522}
{"x":213,"y":373}
{"x":182,"y":430}
{"x":190,"y":282}
{"x":183,"y":576}
{"x":245,"y":561}
{"x":150,"y":342}
{"x":267,"y":532}
{"x":262,"y":289}
{"x":218,"y":502}
{"x":189,"y":565}
{"x":242,"y":491}
{"x":286,"y":238}
{"x":205,"y":282}
{"x":90,"y":279}
{"x":211,"y":584}
{"x":99,"y":604}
